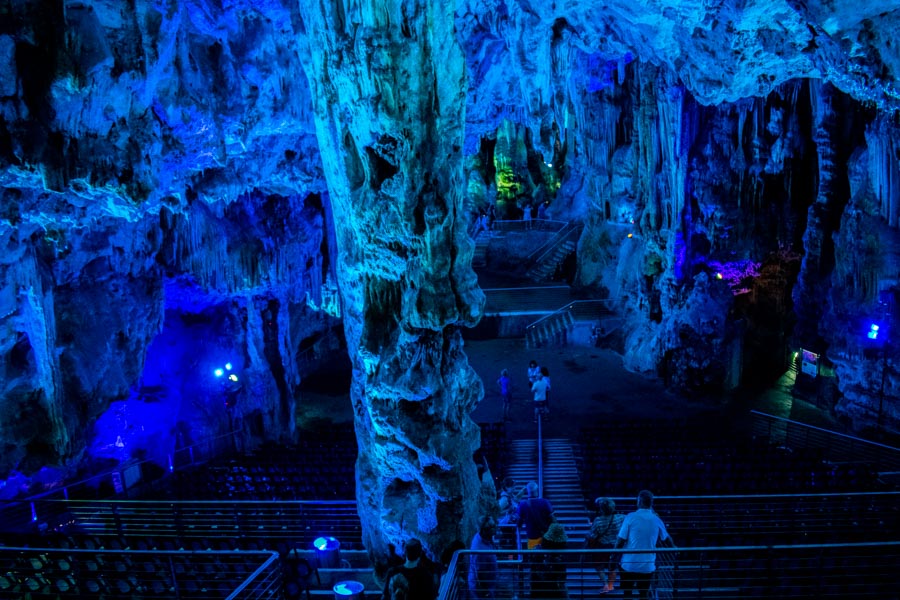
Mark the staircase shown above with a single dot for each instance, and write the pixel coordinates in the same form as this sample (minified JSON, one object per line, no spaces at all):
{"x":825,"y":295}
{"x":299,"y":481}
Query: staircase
{"x":482,"y":241}
{"x":544,"y":269}
{"x":555,"y":327}
{"x":548,"y":257}
{"x":562,"y":487}
{"x":551,"y":329}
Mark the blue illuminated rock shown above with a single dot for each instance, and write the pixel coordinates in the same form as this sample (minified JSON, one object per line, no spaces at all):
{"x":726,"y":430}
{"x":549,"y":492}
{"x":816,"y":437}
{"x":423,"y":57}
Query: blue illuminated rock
{"x":206,"y":176}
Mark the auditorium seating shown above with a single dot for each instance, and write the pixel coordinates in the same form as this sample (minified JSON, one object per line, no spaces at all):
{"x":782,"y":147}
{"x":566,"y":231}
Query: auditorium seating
{"x":677,"y":458}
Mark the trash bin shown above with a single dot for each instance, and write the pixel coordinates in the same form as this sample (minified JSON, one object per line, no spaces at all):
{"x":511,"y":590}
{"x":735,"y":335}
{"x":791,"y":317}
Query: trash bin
{"x":328,"y":552}
{"x":349,"y":590}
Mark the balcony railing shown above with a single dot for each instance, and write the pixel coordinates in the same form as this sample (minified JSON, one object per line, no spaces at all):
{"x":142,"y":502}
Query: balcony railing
{"x":834,"y":445}
{"x":858,"y":571}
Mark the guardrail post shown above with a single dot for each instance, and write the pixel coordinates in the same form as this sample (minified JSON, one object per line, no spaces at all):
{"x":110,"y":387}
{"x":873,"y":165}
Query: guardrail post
{"x":174,"y":578}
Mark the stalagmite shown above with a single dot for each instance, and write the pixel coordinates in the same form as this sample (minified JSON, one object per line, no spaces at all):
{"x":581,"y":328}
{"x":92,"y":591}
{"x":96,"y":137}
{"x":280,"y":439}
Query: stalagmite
{"x":406,"y":286}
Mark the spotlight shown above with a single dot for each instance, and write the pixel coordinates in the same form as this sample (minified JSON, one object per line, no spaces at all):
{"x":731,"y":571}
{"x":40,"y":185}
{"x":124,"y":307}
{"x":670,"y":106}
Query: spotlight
{"x":227,"y":366}
{"x":219,"y":372}
{"x":328,"y":552}
{"x":718,"y":276}
{"x":873,"y":332}
{"x":631,"y":235}
{"x":232,"y":377}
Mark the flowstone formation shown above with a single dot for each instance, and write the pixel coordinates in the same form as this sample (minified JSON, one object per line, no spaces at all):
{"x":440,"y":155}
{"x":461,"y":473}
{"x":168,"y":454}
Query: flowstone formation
{"x":161,"y":216}
{"x":388,"y":86}
{"x":715,"y":139}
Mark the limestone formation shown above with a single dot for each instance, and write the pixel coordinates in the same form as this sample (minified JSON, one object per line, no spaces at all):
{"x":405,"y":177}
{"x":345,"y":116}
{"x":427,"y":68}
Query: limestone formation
{"x":192,"y":184}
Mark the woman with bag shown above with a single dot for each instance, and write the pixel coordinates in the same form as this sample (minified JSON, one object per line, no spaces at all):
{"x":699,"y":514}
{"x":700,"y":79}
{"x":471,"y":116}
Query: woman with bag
{"x":603,"y":534}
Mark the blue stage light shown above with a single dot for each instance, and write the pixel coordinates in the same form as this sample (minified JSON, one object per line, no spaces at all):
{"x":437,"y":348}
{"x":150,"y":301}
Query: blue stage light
{"x":227,"y":366}
{"x":219,"y":372}
{"x":873,"y":331}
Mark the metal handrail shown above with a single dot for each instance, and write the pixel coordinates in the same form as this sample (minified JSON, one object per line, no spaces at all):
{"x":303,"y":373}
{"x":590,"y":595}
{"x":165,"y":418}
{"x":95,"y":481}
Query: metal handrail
{"x":558,"y":238}
{"x":866,"y":570}
{"x":98,"y":478}
{"x":523,"y":225}
{"x":569,"y":306}
{"x":865,"y":450}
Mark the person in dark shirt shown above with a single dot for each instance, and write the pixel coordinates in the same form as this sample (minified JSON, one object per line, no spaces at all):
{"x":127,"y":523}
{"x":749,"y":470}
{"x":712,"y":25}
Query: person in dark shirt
{"x":536,"y":514}
{"x":415,"y":580}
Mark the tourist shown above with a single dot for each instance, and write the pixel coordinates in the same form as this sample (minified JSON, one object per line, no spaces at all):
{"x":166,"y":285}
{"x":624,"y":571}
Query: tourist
{"x":419,"y":578}
{"x":535,"y":513}
{"x":540,"y":388}
{"x":534,"y":372}
{"x":545,"y":375}
{"x":508,"y":500}
{"x":548,"y":573}
{"x":483,"y":571}
{"x":505,"y":392}
{"x":641,"y":530}
{"x":602,"y":535}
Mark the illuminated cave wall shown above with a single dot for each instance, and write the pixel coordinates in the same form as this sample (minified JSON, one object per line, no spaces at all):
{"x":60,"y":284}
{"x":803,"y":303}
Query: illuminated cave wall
{"x":198,"y":183}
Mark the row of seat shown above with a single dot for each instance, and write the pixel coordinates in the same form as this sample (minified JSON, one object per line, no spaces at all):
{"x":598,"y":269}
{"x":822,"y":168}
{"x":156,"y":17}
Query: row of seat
{"x":42,"y":573}
{"x":677,"y":460}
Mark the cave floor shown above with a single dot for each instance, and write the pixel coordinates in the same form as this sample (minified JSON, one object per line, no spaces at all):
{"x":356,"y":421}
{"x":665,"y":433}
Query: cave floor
{"x":590,"y":385}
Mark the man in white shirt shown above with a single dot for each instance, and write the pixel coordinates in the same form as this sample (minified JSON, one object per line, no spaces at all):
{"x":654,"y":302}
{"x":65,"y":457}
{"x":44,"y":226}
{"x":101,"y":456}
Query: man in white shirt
{"x":641,"y":530}
{"x":540,"y":388}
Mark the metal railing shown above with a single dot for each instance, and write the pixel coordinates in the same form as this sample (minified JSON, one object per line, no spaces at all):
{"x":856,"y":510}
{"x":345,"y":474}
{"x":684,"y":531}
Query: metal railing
{"x":130,"y":475}
{"x":559,"y":237}
{"x":532,"y":225}
{"x":235,"y":523}
{"x":604,"y":303}
{"x":865,"y":570}
{"x":834,"y":445}
{"x":76,"y":573}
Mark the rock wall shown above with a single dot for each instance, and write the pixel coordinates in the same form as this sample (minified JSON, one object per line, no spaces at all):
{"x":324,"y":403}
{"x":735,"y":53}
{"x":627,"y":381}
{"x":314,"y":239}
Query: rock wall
{"x":160,"y":180}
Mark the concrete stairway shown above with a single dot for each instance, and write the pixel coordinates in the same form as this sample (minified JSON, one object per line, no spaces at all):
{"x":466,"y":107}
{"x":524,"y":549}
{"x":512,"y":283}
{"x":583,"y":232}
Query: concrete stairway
{"x":553,"y":329}
{"x":544,"y":269}
{"x":479,"y":259}
{"x":562,"y":487}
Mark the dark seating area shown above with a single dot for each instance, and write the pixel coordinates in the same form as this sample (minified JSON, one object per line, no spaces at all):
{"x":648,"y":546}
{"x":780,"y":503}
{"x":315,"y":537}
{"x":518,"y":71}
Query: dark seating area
{"x":319,"y":467}
{"x":675,"y":459}
{"x":779,"y":519}
{"x":76,"y":573}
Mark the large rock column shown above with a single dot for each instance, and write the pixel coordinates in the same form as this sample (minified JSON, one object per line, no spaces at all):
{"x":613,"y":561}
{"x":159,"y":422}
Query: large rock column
{"x":388,"y":86}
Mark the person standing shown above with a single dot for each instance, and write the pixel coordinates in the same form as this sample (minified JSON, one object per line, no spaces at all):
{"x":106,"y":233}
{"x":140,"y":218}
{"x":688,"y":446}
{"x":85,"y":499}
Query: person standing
{"x":540,"y":388}
{"x":604,"y":530}
{"x":548,"y":575}
{"x":505,"y":392}
{"x":414,"y":577}
{"x":534,"y":371}
{"x":545,"y":375}
{"x":536,"y":514}
{"x":641,"y":530}
{"x":483,"y":571}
